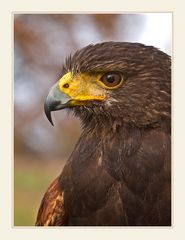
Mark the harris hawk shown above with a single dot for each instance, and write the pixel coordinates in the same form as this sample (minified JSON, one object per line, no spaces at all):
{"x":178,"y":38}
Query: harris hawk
{"x":119,"y":173}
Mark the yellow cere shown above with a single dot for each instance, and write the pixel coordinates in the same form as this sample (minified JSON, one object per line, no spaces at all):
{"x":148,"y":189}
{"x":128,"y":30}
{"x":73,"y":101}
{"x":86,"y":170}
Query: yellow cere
{"x":81,"y":87}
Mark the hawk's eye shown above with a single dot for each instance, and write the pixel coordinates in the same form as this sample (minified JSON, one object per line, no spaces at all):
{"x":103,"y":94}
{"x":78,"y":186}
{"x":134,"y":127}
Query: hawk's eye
{"x":111,"y":79}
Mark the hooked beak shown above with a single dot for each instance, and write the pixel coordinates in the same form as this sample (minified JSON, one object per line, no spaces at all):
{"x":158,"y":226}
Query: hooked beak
{"x":55,"y":101}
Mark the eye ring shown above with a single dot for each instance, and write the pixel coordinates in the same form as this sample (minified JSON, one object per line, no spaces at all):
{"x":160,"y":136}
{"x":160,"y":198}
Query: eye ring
{"x":112,"y":80}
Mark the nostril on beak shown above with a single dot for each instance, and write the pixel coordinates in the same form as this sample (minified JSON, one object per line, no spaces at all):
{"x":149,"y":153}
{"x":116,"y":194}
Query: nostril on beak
{"x":66,"y":85}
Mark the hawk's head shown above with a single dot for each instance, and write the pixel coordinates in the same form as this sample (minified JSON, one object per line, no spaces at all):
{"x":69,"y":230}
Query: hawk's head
{"x":114,"y":80}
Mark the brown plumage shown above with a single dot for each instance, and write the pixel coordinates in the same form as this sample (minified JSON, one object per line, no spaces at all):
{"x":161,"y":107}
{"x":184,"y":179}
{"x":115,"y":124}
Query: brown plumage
{"x":120,"y":170}
{"x":51,"y":210}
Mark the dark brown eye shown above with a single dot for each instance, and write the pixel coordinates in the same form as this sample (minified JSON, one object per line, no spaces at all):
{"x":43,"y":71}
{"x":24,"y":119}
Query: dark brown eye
{"x":111,"y":79}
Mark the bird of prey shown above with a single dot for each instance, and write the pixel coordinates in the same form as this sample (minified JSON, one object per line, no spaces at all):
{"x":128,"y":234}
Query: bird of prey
{"x":119,"y":173}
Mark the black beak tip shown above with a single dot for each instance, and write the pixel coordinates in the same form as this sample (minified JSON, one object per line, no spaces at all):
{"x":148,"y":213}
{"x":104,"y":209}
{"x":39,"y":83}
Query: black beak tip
{"x":48,"y":113}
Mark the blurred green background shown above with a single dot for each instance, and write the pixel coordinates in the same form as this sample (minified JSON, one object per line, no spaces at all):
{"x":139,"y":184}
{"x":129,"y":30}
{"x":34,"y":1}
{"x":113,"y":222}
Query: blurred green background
{"x":41,"y":43}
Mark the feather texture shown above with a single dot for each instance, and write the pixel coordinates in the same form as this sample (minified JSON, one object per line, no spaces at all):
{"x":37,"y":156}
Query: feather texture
{"x":119,"y":173}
